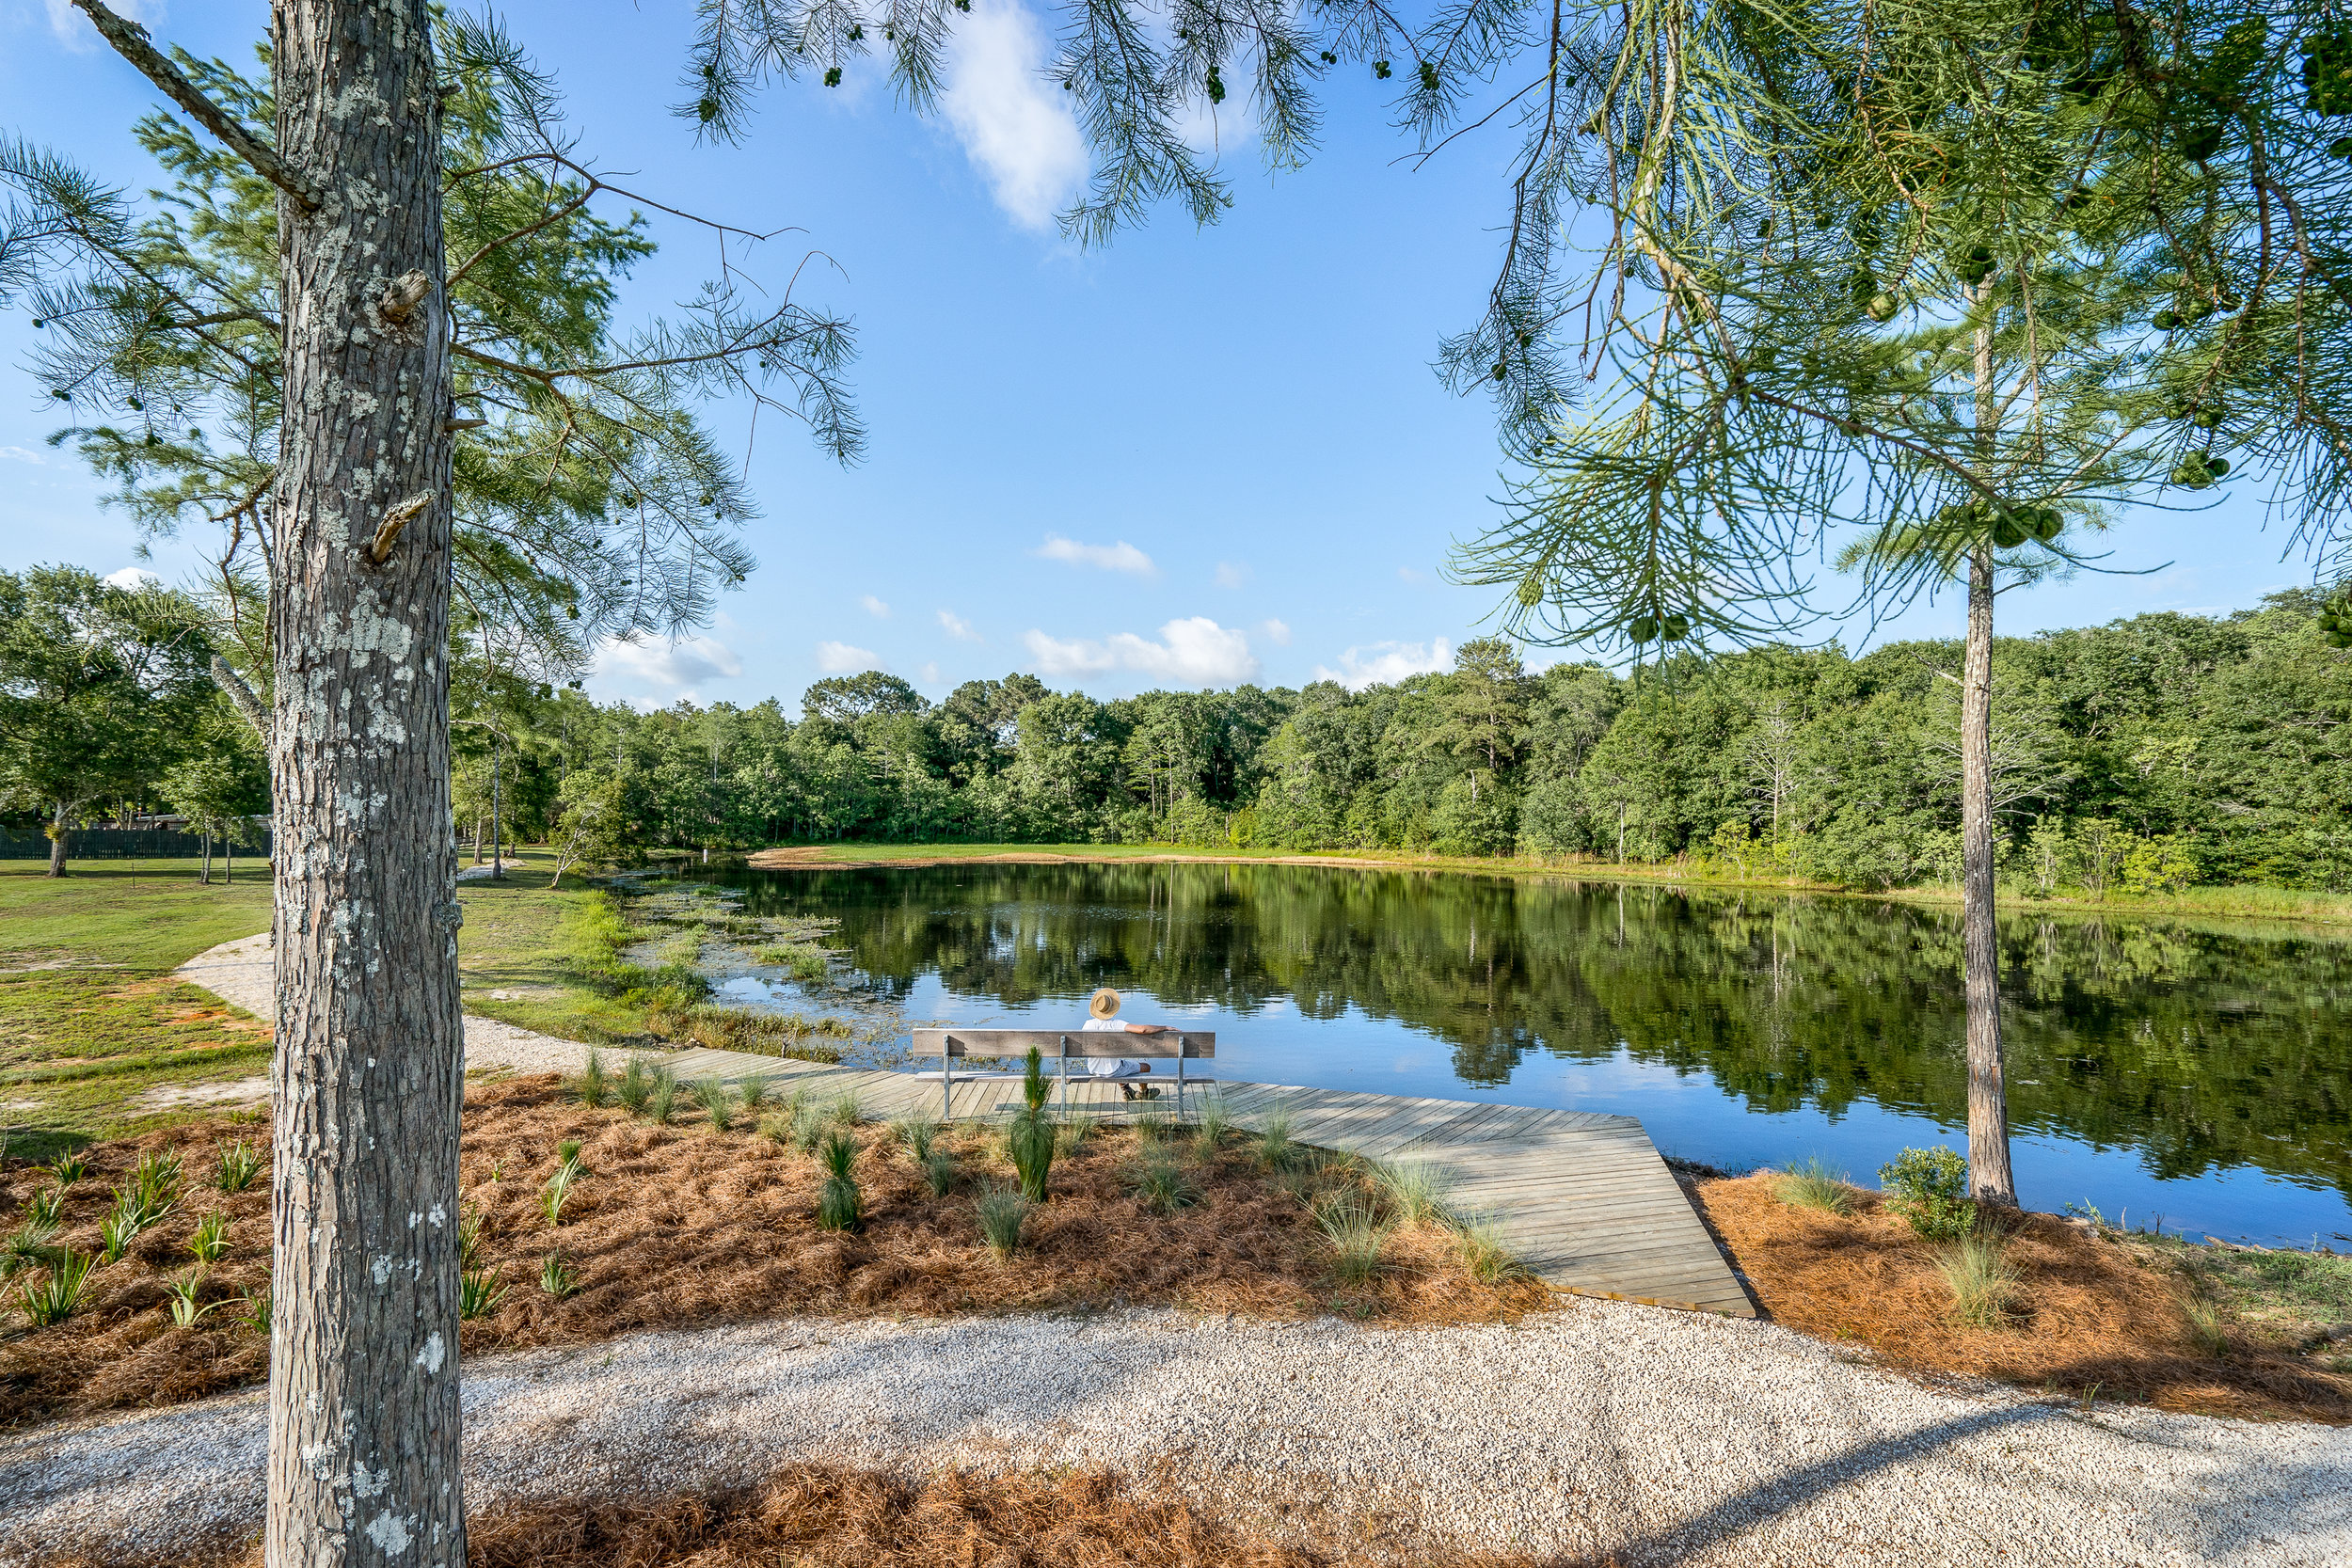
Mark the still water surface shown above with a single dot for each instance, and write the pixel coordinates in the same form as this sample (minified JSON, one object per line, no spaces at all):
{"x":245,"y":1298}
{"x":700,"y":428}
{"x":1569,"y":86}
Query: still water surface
{"x":2194,"y":1072}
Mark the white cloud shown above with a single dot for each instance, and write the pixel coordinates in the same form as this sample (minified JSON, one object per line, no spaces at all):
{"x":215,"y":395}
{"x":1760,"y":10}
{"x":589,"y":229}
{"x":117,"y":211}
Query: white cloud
{"x":1192,"y":652}
{"x":1231,"y":574}
{"x":841,"y":658}
{"x":134,"y":579}
{"x":19,"y":454}
{"x":931,"y":674}
{"x":1277,"y":632}
{"x":1015,"y":126}
{"x":667,"y":672}
{"x":875,"y":608}
{"x":1122,"y":556}
{"x":957,"y":626}
{"x":1405,"y":574}
{"x":1382,"y":663}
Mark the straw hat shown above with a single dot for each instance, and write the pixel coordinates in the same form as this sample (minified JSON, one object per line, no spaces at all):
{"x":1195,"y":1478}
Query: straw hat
{"x":1104,"y":1003}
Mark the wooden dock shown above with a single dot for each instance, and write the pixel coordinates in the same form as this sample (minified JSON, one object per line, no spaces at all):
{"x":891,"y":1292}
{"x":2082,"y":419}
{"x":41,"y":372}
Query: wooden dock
{"x":1581,"y":1197}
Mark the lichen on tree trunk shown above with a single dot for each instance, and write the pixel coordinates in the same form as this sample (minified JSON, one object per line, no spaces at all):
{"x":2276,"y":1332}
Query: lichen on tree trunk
{"x":363,"y":1463}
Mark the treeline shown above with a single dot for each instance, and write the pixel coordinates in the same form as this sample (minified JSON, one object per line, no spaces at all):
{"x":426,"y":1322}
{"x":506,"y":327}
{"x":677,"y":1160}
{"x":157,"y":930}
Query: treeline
{"x":2145,"y":754}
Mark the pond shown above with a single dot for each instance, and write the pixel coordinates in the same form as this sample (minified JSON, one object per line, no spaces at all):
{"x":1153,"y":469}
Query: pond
{"x":2191,"y":1074}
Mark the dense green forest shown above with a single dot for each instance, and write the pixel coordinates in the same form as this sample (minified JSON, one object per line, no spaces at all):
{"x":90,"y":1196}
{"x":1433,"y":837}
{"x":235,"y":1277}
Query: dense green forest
{"x":2143,"y":755}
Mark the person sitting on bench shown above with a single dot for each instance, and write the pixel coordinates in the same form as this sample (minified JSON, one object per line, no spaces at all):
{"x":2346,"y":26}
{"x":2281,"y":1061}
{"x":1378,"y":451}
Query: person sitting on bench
{"x":1104,"y":1007}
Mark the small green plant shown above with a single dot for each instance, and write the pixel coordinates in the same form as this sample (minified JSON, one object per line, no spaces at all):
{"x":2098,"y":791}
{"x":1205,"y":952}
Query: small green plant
{"x":1929,"y":1187}
{"x":839,"y":1204}
{"x":2206,"y":1329}
{"x":27,"y":1247}
{"x":1415,"y":1190}
{"x":51,"y":1299}
{"x":635,"y":1089}
{"x":558,"y":1191}
{"x":1811,"y":1184}
{"x":1276,"y":1148}
{"x":846,"y":1111}
{"x":567,"y":1151}
{"x":941,"y":1172}
{"x":157,"y":1180}
{"x":756,"y":1089}
{"x":256,"y":1315}
{"x":595,"y":1084}
{"x":1034,"y":1088}
{"x":914,"y":1136}
{"x":1484,"y":1256}
{"x":181,"y":1295}
{"x":1358,"y":1238}
{"x":1210,"y":1126}
{"x":240,"y":1167}
{"x":46,"y":1207}
{"x":116,"y":1233}
{"x":808,"y":1125}
{"x":663,"y":1100}
{"x":211,"y":1237}
{"x":66,"y":1169}
{"x":714,"y":1097}
{"x":1163,"y":1185}
{"x":1029,"y":1141}
{"x":556,"y":1278}
{"x":479,"y":1292}
{"x":1004,"y":1212}
{"x":1151,"y":1132}
{"x":469,"y":1223}
{"x":1976,"y":1268}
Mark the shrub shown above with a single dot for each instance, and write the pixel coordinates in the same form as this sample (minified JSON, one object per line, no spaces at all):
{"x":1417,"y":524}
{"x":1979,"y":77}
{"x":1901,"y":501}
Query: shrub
{"x":1415,"y":1190}
{"x":594,"y":1086}
{"x":1983,"y":1282}
{"x":714,"y":1097}
{"x":1358,"y":1238}
{"x":479,"y":1292}
{"x":556,"y":1278}
{"x":240,"y":1167}
{"x":1030,"y":1142}
{"x":1162,"y":1186}
{"x":1811,"y":1184}
{"x":1929,"y":1187}
{"x":210,"y":1239}
{"x":636,"y":1086}
{"x":838,"y":1201}
{"x":1004,"y":1211}
{"x":51,"y":1298}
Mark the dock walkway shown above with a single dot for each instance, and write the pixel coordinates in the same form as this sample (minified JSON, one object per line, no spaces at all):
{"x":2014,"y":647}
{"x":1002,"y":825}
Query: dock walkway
{"x":1581,"y":1197}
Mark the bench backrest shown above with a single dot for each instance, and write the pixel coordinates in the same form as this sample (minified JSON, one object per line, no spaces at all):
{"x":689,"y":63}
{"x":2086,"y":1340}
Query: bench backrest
{"x":1055,"y":1043}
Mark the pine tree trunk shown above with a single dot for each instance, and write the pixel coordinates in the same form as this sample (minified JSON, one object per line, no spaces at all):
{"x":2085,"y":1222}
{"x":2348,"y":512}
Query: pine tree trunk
{"x":1988,"y":1102}
{"x":363,"y":1450}
{"x":57,"y":841}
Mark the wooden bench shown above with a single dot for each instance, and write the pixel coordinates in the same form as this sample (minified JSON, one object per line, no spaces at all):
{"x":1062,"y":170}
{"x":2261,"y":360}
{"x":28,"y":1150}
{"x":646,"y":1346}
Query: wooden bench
{"x":1062,"y":1047}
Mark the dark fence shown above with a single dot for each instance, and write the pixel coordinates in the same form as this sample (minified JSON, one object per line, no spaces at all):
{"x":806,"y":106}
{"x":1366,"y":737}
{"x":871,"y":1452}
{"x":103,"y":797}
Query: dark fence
{"x":124,"y":844}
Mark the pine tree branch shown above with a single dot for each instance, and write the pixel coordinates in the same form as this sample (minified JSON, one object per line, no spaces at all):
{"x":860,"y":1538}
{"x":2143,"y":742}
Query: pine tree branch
{"x":130,"y":40}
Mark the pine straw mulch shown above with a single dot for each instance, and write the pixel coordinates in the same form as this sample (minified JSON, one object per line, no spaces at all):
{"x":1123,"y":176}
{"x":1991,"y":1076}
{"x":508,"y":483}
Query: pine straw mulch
{"x":2096,"y":1316}
{"x":826,"y":1516}
{"x":677,"y":1226}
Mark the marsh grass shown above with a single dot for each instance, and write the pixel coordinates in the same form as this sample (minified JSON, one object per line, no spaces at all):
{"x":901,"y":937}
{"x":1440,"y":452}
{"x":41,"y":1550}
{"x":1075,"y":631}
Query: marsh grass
{"x":846,"y":1111}
{"x":1359,"y":1238}
{"x":1984,"y":1283}
{"x":2207,"y":1330}
{"x":1072,"y":1135}
{"x":717,"y":1100}
{"x":1415,"y":1191}
{"x":51,"y":1298}
{"x":1811,"y":1184}
{"x":756,"y":1091}
{"x":595,"y":1084}
{"x":1004,"y":1211}
{"x":240,"y":1167}
{"x":663,"y":1100}
{"x":635,"y":1087}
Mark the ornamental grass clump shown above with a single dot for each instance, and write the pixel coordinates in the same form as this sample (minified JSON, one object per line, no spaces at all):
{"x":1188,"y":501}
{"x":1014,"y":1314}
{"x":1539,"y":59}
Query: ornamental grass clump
{"x":756,"y":1089}
{"x":941,"y":1171}
{"x":558,"y":1190}
{"x":1983,"y":1282}
{"x":1811,"y":1184}
{"x":240,"y":1167}
{"x":1162,"y":1184}
{"x":27,"y":1247}
{"x":594,"y":1086}
{"x":635,"y":1089}
{"x":1277,"y":1149}
{"x":1929,"y":1187}
{"x":66,"y":1169}
{"x":1415,"y":1191}
{"x":51,"y":1298}
{"x":1210,"y":1126}
{"x":1004,"y":1211}
{"x":846,"y":1111}
{"x":1484,"y":1256}
{"x":839,"y":1204}
{"x":663,"y":1099}
{"x":914,"y":1136}
{"x":717,"y":1100}
{"x":1358,"y":1237}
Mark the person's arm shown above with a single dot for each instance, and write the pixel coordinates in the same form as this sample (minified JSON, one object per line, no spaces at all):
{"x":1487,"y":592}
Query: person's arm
{"x":1151,"y":1028}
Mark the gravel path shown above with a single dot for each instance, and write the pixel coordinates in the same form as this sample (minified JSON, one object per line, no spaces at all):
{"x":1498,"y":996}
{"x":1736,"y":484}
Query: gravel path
{"x":1664,"y":1438}
{"x":240,"y":971}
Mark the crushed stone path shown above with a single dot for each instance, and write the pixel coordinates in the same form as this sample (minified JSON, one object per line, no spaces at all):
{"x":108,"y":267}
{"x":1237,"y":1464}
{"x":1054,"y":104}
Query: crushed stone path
{"x":1660,"y":1437}
{"x":240,"y":973}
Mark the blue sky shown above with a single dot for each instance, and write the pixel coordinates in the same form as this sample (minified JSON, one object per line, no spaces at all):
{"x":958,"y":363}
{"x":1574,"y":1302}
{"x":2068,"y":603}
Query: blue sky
{"x":1193,"y":458}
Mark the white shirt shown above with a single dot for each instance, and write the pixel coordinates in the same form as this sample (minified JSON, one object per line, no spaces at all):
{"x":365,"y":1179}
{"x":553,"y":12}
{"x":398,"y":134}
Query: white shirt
{"x":1110,"y":1066}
